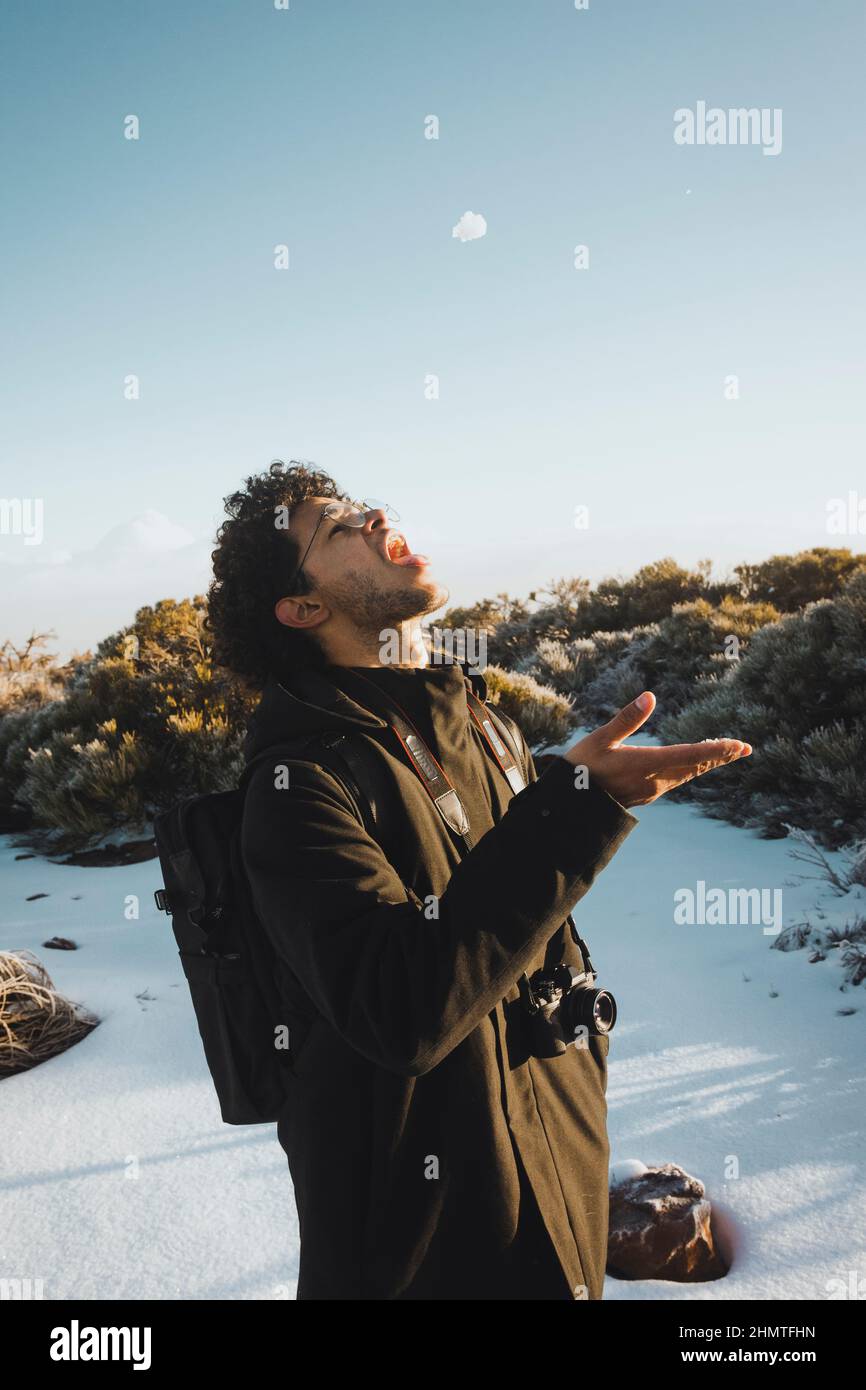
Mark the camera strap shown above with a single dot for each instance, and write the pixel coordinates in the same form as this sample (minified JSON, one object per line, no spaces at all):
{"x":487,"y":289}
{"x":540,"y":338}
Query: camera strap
{"x":434,"y":779}
{"x":485,"y":718}
{"x":556,"y":944}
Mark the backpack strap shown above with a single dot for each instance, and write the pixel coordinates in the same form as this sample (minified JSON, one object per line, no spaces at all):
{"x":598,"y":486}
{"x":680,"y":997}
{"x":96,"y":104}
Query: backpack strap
{"x":351,"y":752}
{"x":342,"y":755}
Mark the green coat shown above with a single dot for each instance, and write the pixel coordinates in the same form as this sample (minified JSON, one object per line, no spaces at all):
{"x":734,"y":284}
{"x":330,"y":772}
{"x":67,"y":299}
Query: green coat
{"x":413,"y":1095}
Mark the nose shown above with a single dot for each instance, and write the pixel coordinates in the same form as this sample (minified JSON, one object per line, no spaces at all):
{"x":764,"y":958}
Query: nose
{"x":375,"y":519}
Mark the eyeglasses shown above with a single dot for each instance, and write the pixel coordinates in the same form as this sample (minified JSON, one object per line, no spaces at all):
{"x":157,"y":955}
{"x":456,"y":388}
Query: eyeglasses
{"x":347,"y":514}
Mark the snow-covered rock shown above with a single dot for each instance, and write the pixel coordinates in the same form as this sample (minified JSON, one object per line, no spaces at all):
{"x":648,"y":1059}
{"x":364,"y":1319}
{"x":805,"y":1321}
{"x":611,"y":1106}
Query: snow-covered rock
{"x":660,"y":1228}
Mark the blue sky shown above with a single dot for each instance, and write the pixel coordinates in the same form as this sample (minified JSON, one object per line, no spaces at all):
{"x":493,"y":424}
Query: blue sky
{"x":559,"y":388}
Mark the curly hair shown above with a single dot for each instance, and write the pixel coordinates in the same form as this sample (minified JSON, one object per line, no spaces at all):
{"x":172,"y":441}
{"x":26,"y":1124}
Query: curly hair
{"x":254,"y":565}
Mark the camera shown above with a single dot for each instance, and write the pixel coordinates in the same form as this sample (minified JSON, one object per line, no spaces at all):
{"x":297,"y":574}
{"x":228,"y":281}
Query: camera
{"x":562,"y":1007}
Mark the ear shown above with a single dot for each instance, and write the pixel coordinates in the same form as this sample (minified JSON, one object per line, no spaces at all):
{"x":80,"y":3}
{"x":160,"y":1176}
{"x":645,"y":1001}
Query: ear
{"x":303,"y":613}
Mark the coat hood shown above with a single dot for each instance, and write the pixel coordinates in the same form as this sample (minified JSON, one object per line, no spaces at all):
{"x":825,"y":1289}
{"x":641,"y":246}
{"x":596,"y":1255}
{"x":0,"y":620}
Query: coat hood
{"x":309,"y":702}
{"x":306,"y":704}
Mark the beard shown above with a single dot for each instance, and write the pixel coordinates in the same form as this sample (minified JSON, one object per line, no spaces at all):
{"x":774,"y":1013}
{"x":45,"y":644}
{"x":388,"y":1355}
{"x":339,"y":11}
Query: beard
{"x":372,"y":606}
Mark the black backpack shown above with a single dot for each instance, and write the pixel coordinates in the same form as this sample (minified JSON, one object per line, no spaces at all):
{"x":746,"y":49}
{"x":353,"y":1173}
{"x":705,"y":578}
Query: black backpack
{"x":227,"y":958}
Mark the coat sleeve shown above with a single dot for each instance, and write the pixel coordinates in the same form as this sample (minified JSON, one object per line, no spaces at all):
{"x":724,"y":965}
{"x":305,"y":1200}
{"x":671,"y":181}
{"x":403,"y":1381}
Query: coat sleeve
{"x":402,"y":989}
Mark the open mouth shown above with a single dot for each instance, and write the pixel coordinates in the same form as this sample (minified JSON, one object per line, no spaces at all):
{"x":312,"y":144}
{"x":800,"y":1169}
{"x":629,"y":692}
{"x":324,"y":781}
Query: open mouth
{"x":398,"y":553}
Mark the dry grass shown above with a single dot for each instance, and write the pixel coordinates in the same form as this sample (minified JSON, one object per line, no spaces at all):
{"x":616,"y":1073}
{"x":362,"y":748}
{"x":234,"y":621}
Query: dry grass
{"x":35,"y":1021}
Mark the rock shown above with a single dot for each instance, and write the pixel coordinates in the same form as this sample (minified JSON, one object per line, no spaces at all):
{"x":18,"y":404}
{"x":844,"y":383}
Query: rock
{"x":34,"y":896}
{"x":61,"y":943}
{"x":660,"y":1228}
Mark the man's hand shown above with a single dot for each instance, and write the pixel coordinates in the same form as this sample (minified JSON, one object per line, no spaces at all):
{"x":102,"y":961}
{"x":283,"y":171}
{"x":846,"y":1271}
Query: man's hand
{"x":636,"y":776}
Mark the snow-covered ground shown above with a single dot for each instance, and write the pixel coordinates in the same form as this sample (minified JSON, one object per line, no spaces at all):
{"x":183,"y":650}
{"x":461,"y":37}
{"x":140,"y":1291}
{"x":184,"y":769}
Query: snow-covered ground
{"x":118,"y":1178}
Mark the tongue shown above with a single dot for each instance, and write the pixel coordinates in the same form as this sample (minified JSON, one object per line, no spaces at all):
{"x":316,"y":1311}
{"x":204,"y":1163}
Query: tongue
{"x":410,"y":559}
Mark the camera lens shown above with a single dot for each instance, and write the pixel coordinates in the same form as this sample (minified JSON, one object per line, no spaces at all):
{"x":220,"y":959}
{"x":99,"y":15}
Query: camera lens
{"x":588,"y":1010}
{"x":604,"y":1011}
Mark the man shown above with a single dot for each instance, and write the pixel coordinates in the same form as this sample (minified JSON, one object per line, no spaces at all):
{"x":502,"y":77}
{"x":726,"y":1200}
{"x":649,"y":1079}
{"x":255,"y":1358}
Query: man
{"x":434,"y":1154}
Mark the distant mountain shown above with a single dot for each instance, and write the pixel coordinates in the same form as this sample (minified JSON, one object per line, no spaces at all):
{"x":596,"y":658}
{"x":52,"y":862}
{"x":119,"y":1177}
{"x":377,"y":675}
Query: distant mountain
{"x":150,"y":533}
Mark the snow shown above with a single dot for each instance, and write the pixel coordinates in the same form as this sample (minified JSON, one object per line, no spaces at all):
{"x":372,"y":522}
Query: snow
{"x":119,"y":1179}
{"x":731,"y":1059}
{"x":624,"y":1169}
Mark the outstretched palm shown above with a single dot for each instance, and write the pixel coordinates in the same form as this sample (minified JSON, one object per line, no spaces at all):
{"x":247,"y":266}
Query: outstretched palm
{"x":636,"y":775}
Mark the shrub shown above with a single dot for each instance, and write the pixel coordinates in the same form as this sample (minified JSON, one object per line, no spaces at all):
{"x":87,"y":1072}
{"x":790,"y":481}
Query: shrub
{"x":790,"y":582}
{"x":650,"y":594}
{"x":671,"y":657}
{"x":854,"y":958}
{"x":147,"y":720}
{"x":29,"y":675}
{"x":36,"y":1021}
{"x":87,"y":789}
{"x":799,"y":697}
{"x":621,"y":664}
{"x":569,"y":667}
